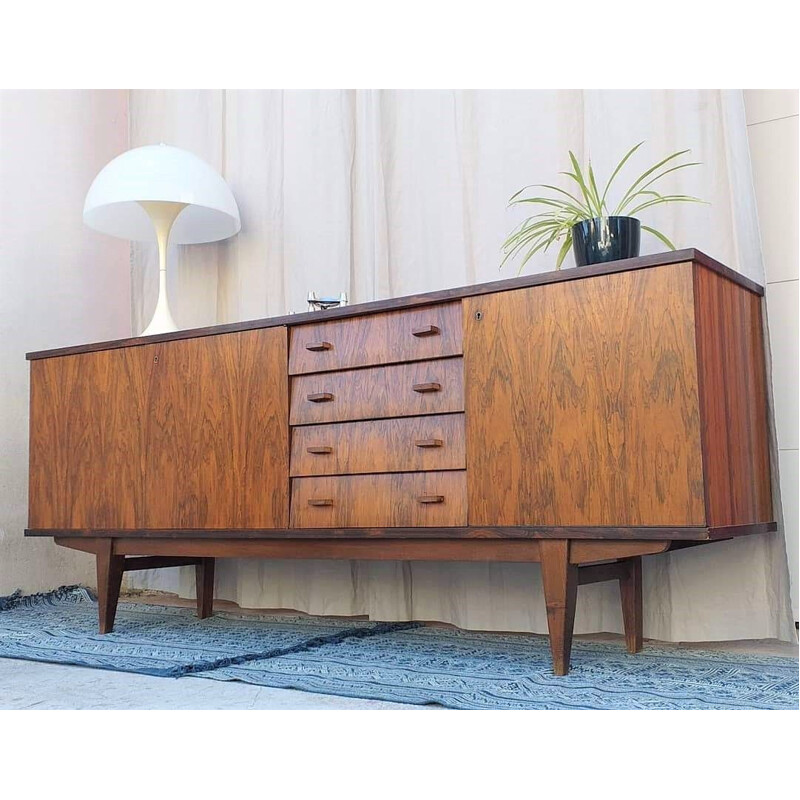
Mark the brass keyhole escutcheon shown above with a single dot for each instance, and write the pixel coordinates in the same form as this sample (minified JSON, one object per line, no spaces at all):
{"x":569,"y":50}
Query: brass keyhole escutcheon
{"x":155,"y":359}
{"x":479,"y":315}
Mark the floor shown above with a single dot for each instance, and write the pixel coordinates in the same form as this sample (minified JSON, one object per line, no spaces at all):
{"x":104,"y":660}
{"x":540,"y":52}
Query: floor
{"x":31,"y":685}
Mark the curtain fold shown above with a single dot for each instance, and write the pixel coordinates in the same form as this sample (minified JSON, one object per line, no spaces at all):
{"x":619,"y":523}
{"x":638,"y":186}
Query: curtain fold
{"x":387,"y":193}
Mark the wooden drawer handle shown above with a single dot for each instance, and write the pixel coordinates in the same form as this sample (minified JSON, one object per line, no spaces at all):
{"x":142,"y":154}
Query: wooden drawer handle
{"x":319,"y":346}
{"x":429,"y":443}
{"x":430,"y":498}
{"x":325,"y":501}
{"x":319,"y":451}
{"x":428,"y":330}
{"x":320,"y":397}
{"x":424,"y":388}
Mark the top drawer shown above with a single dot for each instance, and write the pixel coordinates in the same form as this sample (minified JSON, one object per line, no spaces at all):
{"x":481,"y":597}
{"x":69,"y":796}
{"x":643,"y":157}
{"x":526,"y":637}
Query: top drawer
{"x":390,"y":337}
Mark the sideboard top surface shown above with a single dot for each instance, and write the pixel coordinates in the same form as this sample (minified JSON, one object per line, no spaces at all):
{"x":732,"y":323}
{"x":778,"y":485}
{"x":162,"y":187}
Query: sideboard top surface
{"x":428,"y":298}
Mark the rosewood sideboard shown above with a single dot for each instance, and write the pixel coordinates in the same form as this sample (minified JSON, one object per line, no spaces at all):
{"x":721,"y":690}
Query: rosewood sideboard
{"x":581,"y":419}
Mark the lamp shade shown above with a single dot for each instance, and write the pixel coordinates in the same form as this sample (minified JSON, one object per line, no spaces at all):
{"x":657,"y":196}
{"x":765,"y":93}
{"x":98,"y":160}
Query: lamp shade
{"x":167,"y":174}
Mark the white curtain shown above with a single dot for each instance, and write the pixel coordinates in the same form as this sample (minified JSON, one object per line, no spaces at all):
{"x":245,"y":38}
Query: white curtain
{"x":387,"y":193}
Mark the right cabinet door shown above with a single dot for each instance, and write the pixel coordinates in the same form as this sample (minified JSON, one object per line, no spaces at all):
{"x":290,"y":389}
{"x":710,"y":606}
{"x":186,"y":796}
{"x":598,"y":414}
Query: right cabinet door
{"x":582,"y":404}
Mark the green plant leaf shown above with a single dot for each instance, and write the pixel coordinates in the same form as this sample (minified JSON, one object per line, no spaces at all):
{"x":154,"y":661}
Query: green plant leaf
{"x":636,"y":184}
{"x":660,"y":236}
{"x":530,"y":255}
{"x":561,"y":205}
{"x":517,"y":194}
{"x":588,"y":210}
{"x":523,"y":246}
{"x":658,"y":177}
{"x":532,"y":222}
{"x":534,"y":186}
{"x":530,"y":238}
{"x":618,"y":168}
{"x":578,"y":203}
{"x":651,"y":192}
{"x":578,"y":177}
{"x":547,"y":201}
{"x":532,"y":230}
{"x":555,"y":236}
{"x":540,"y":242}
{"x":562,"y":254}
{"x":595,"y":193}
{"x":671,"y":169}
{"x":666,"y":198}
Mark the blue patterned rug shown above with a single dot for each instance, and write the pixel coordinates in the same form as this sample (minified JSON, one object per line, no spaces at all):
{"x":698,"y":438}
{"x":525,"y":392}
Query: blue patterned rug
{"x":401,"y":662}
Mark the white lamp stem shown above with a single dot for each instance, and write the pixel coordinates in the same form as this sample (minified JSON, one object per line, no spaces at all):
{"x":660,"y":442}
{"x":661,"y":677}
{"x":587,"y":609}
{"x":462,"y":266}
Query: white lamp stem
{"x":162,"y":215}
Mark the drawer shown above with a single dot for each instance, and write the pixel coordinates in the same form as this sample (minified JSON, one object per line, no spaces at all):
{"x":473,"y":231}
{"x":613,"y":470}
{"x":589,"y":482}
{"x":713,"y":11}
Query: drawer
{"x":409,"y":499}
{"x":386,"y":338}
{"x":409,"y":444}
{"x":402,"y":390}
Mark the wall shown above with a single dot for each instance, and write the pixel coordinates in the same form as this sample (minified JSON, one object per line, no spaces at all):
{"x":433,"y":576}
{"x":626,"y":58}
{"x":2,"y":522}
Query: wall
{"x":60,"y":284}
{"x":772,"y":128}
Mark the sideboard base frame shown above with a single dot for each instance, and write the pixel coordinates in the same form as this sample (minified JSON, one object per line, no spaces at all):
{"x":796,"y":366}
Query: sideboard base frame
{"x":566,"y":564}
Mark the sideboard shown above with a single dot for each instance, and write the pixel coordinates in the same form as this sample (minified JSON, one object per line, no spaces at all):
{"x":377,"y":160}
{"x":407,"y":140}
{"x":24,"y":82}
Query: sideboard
{"x":581,"y":419}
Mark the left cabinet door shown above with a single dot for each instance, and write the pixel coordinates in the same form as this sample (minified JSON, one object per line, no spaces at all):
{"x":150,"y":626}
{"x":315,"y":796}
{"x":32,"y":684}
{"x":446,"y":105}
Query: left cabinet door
{"x":192,"y":433}
{"x":87,"y":421}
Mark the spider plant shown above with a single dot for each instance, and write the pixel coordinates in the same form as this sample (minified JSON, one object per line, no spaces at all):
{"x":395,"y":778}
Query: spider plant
{"x":566,"y":208}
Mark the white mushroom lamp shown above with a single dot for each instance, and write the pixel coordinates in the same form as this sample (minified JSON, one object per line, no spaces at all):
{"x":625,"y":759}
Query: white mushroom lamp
{"x":168,"y":192}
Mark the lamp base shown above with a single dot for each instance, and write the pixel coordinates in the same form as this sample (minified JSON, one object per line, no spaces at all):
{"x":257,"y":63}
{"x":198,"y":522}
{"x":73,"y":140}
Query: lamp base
{"x":162,"y":321}
{"x":162,"y":215}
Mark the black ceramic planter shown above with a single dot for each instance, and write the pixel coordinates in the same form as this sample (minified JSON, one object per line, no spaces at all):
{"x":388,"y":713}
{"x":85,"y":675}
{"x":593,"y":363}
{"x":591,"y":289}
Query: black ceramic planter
{"x":605,"y":239}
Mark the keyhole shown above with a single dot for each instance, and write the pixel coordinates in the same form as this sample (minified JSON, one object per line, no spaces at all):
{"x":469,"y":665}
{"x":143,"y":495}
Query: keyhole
{"x":155,"y":359}
{"x":479,"y":315}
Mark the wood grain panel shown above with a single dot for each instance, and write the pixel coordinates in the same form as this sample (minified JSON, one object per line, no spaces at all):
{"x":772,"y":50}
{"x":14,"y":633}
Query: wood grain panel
{"x":379,"y":392}
{"x":413,"y":335}
{"x":408,"y":444}
{"x":733,"y":397}
{"x":396,"y":500}
{"x":86,"y":423}
{"x":217,"y":439}
{"x":581,"y":403}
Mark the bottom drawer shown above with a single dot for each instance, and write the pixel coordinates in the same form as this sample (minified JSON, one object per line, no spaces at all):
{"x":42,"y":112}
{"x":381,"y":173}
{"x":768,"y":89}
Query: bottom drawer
{"x":401,"y":500}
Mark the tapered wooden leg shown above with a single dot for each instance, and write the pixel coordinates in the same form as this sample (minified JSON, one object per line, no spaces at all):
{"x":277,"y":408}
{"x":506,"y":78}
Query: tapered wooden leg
{"x":204,"y":575}
{"x":109,"y":581}
{"x":560,"y":580}
{"x":630,"y":589}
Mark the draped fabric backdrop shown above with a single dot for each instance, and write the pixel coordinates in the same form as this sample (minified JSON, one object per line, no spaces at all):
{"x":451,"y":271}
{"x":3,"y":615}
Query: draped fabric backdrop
{"x":387,"y":193}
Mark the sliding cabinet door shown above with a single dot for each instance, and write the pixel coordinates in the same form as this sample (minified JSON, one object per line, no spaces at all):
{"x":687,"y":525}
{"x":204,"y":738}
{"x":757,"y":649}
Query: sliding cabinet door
{"x":217,"y":438}
{"x":87,"y":419}
{"x":582,"y":403}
